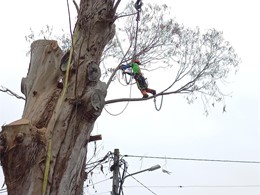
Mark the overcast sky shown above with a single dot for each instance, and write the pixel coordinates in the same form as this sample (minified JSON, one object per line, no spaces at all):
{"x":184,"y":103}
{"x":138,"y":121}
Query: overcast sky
{"x":179,"y":130}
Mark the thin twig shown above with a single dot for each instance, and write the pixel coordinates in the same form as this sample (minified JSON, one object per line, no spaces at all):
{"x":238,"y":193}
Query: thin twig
{"x":76,"y":5}
{"x":118,"y":67}
{"x":125,"y":15}
{"x":9,"y":92}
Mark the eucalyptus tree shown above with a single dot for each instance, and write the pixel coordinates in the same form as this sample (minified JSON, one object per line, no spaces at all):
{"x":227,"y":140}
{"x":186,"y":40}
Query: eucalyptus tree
{"x":45,"y":151}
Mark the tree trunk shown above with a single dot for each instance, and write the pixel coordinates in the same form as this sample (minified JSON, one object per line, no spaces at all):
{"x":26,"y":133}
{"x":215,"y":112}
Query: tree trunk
{"x":57,"y":122}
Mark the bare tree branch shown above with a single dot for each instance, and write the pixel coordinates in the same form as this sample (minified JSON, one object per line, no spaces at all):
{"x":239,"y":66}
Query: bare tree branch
{"x":139,"y":99}
{"x":125,"y":15}
{"x":117,"y":68}
{"x":76,"y":5}
{"x":11,"y":93}
{"x":199,"y":59}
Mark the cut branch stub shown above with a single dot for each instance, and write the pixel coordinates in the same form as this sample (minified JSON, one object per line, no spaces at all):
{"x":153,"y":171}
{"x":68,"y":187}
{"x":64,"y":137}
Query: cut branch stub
{"x":96,"y":101}
{"x":95,"y":138}
{"x":44,"y":66}
{"x":65,"y":60}
{"x":93,"y":72}
{"x":92,"y":104}
{"x":40,"y":84}
{"x":22,"y":146}
{"x":95,"y":105}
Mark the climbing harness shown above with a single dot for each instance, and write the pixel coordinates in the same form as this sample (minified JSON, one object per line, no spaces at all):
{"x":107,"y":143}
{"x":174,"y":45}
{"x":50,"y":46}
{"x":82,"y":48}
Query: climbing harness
{"x":141,"y":81}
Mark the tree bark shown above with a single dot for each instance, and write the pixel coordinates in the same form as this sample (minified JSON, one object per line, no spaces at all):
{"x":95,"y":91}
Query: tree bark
{"x":64,"y":117}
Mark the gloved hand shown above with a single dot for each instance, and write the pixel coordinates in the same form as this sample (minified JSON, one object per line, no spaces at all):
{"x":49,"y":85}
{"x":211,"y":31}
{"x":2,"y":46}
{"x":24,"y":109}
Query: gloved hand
{"x":124,"y":67}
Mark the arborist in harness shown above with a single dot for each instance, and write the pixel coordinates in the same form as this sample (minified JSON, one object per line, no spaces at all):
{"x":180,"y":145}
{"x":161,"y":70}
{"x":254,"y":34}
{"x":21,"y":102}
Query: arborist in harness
{"x":138,"y":76}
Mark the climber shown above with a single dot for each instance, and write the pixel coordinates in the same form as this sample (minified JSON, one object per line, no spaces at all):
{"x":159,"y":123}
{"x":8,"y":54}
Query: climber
{"x":138,"y":76}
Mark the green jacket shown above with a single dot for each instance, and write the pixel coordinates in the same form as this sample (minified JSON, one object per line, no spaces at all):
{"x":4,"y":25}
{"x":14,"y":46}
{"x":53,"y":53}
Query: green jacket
{"x":136,"y":68}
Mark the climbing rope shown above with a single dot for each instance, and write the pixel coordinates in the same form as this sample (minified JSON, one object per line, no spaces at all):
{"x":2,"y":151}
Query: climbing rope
{"x":155,"y":104}
{"x":128,"y":81}
{"x":122,"y":80}
{"x":48,"y":159}
{"x":57,"y":109}
{"x":117,"y":114}
{"x":138,"y":7}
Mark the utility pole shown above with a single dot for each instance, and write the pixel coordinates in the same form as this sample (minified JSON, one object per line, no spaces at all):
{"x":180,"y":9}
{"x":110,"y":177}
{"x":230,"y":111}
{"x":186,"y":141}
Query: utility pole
{"x":115,"y":169}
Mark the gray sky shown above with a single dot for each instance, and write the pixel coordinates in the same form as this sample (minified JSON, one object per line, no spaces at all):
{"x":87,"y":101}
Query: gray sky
{"x":179,"y":130}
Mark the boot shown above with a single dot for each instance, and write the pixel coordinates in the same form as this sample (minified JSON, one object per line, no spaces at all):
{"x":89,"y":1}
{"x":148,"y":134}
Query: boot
{"x":145,"y":95}
{"x":151,"y":91}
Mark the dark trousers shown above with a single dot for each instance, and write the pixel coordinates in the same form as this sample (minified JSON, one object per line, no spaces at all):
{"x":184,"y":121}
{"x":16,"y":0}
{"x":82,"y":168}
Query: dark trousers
{"x":142,"y":84}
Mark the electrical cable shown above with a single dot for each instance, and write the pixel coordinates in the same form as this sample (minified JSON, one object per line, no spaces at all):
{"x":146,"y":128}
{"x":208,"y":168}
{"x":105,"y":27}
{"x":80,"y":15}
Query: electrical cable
{"x":143,"y":185}
{"x":200,"y":186}
{"x":194,"y":159}
{"x":3,"y":190}
{"x":102,"y":159}
{"x":123,"y":176}
{"x":88,"y":185}
{"x":97,"y":163}
{"x":97,"y":193}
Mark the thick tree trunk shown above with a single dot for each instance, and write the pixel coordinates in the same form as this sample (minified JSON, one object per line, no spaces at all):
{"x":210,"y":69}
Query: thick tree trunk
{"x":55,"y":122}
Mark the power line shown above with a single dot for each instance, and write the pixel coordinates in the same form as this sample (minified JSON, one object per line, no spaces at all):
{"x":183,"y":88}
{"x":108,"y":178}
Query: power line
{"x":101,"y":193}
{"x":194,"y":159}
{"x":4,"y":190}
{"x":143,"y":185}
{"x":88,"y":185}
{"x":200,"y":186}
